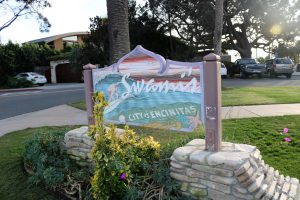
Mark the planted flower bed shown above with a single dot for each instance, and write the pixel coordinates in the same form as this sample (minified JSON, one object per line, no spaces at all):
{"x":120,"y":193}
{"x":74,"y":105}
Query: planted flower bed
{"x":124,"y":166}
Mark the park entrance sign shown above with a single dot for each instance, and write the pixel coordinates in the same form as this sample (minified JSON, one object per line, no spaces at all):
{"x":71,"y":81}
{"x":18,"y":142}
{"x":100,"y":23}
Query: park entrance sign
{"x":144,"y":89}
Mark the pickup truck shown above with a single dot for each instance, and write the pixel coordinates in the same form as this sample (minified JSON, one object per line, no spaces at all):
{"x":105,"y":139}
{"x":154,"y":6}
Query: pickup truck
{"x":245,"y":67}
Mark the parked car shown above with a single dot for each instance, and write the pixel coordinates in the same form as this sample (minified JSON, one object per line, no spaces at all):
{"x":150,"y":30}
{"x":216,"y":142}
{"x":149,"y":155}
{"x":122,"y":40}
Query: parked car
{"x":34,"y":77}
{"x":298,"y":68}
{"x":280,"y":66}
{"x":223,"y":71}
{"x":245,"y":67}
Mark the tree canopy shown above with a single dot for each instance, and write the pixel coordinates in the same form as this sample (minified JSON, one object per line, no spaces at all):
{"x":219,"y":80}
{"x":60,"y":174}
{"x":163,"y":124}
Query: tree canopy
{"x":15,"y":58}
{"x":257,"y":23}
{"x":11,"y":10}
{"x":247,"y":23}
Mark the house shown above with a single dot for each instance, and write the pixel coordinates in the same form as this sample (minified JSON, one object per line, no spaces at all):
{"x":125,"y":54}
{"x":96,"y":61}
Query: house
{"x":60,"y":70}
{"x":61,"y":41}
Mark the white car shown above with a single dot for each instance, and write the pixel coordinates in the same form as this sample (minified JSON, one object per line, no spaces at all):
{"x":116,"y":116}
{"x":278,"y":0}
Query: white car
{"x":34,"y":77}
{"x":223,"y":71}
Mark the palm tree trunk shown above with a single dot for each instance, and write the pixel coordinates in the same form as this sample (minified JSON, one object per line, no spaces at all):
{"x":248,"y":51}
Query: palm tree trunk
{"x":118,"y":29}
{"x":218,"y":27}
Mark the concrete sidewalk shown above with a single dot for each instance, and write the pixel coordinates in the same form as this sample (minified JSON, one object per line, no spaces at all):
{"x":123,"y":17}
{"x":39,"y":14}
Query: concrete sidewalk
{"x":55,"y":116}
{"x":260,"y":111}
{"x":66,"y":115}
{"x":296,"y":74}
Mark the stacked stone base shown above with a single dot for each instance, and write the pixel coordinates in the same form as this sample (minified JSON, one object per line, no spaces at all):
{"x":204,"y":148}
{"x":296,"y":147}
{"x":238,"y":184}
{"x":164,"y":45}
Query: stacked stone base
{"x":79,"y":145}
{"x":236,"y":172}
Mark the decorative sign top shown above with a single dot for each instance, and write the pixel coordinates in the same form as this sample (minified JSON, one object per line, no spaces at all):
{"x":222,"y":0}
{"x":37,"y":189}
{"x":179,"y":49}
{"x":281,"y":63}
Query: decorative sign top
{"x":143,"y":89}
{"x":140,"y":60}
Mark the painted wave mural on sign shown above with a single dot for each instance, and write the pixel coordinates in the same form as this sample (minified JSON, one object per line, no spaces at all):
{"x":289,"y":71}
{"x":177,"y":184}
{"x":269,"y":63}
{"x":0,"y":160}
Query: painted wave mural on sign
{"x":145,"y":90}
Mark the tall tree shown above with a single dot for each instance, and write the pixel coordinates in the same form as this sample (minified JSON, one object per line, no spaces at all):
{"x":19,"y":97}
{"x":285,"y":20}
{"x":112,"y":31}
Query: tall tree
{"x":247,"y":23}
{"x":218,"y":27}
{"x":13,"y":9}
{"x":118,"y":29}
{"x":192,"y":20}
{"x":143,"y":31}
{"x":250,"y":23}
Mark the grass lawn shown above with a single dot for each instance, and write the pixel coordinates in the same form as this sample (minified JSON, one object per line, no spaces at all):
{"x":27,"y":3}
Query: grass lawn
{"x":13,"y":179}
{"x":248,"y":96}
{"x":79,"y":104}
{"x":260,"y":95}
{"x":262,"y":132}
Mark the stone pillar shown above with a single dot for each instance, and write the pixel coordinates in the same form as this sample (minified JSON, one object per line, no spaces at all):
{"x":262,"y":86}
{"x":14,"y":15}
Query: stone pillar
{"x":236,"y":172}
{"x":212,"y":102}
{"x":88,"y":85}
{"x":53,"y":65}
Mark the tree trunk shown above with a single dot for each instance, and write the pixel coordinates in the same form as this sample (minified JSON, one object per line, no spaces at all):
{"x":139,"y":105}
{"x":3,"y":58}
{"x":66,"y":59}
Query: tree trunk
{"x":170,"y":34}
{"x":118,"y":29}
{"x":244,"y":46}
{"x":245,"y":53}
{"x":218,"y":27}
{"x":239,"y":40}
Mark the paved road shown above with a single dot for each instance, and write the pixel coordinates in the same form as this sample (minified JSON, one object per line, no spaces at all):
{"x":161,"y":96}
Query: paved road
{"x":17,"y":103}
{"x":254,"y":81}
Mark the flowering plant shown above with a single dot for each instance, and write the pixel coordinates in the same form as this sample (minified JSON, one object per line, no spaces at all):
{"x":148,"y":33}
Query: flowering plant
{"x":122,"y":177}
{"x":118,"y":158}
{"x":286,"y":139}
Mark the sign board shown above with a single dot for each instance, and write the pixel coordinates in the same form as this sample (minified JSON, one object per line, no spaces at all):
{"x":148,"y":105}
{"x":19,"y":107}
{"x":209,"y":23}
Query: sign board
{"x":144,"y":89}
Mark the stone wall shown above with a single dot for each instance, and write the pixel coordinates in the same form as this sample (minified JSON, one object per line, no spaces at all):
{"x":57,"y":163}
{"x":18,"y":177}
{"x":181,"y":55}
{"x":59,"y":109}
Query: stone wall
{"x":236,"y":172}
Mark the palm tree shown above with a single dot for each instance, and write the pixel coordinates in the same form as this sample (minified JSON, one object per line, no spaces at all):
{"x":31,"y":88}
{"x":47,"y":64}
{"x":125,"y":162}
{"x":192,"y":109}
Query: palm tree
{"x":118,"y":29}
{"x":218,"y":26}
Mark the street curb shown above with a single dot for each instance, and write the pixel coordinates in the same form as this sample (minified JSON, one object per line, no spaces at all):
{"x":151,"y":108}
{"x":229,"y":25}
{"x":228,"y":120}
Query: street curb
{"x":20,"y":90}
{"x":296,"y":74}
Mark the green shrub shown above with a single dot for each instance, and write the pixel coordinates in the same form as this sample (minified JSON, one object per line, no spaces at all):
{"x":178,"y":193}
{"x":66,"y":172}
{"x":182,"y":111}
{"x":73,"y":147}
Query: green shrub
{"x":118,"y":159}
{"x":156,"y":183}
{"x":12,"y":82}
{"x":51,"y":167}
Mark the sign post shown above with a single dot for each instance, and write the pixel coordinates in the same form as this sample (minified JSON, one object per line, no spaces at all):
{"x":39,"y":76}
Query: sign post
{"x":212,"y":102}
{"x":88,"y":86}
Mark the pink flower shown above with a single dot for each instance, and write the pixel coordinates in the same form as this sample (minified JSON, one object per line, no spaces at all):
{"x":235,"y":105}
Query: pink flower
{"x":122,"y":177}
{"x":287,"y":139}
{"x":285,"y":130}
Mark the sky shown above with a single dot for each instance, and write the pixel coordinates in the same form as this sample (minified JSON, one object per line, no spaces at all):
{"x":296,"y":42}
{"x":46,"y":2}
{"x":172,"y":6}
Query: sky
{"x":64,"y":15}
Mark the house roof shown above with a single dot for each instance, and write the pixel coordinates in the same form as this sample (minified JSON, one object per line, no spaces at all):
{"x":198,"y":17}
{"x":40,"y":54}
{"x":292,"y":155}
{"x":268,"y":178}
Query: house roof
{"x":55,"y":37}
